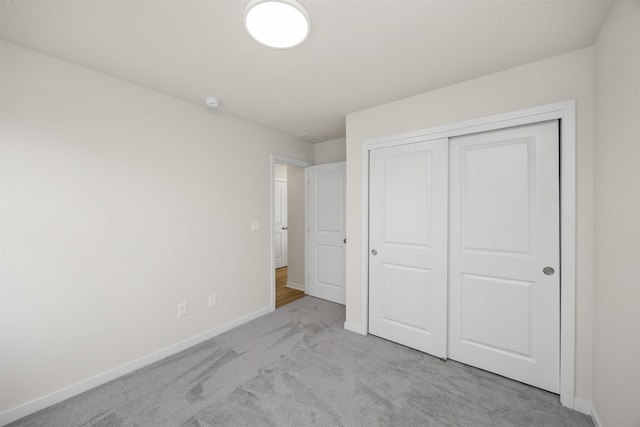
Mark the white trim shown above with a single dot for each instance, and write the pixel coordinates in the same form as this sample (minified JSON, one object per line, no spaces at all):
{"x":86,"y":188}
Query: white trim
{"x":276,"y":158}
{"x":567,"y":116}
{"x":352,"y":327}
{"x":28,"y":408}
{"x":364,"y":249}
{"x":296,"y":286}
{"x":585,"y":407}
{"x":595,"y":418}
{"x":582,"y":406}
{"x":565,"y":112}
{"x":306,"y":229}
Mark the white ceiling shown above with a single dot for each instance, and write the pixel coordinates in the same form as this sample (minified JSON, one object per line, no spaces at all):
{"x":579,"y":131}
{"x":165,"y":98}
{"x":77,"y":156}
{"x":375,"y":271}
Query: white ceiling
{"x":360,"y":53}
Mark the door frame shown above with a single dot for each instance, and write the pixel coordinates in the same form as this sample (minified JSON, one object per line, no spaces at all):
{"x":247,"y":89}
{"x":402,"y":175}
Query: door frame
{"x":276,"y":158}
{"x":565,"y":113}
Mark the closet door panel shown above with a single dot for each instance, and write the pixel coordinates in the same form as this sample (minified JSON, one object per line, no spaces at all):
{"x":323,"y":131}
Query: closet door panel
{"x":408,"y":245}
{"x":504,"y":279}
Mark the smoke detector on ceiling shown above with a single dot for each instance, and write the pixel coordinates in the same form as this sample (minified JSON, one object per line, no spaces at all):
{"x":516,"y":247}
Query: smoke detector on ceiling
{"x":309,"y":138}
{"x":212,"y":102}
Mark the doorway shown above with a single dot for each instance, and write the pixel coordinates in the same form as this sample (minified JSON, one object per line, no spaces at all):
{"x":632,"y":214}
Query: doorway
{"x":287,"y":230}
{"x":285,"y":294}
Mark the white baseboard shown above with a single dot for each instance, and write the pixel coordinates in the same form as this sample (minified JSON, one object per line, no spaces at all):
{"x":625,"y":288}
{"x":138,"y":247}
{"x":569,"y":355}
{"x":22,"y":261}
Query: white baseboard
{"x":354,"y":328}
{"x":21,"y":411}
{"x":587,"y":408}
{"x":595,"y":418}
{"x":582,"y":406}
{"x":294,"y":285}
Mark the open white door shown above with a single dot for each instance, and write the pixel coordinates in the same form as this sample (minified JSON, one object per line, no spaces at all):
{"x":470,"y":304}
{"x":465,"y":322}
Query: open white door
{"x":408,"y":245}
{"x":504,"y":280}
{"x":325,"y":243}
{"x":280,"y":224}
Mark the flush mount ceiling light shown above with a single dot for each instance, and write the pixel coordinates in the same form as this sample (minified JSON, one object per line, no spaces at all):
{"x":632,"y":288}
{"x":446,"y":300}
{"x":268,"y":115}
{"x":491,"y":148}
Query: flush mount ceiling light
{"x":279,"y":24}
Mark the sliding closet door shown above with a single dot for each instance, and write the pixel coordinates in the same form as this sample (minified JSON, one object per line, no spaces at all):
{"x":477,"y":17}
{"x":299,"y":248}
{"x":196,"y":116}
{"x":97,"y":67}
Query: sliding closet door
{"x":408,"y":245}
{"x":504,"y":278}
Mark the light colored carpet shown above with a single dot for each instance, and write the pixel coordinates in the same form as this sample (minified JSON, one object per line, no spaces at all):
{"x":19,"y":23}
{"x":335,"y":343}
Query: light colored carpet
{"x":299,"y":367}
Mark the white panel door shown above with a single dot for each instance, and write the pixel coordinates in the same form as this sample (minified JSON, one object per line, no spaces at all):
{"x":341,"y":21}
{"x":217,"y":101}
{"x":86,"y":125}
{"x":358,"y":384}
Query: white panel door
{"x":280,"y":224}
{"x":408,"y":245}
{"x":504,"y":278}
{"x":325,"y":243}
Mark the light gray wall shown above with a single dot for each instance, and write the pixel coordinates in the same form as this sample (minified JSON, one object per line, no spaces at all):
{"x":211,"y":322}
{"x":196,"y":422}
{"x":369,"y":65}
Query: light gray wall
{"x":117,"y":204}
{"x":295,"y":215}
{"x":568,"y":76}
{"x":331,"y":151}
{"x":616,"y":379}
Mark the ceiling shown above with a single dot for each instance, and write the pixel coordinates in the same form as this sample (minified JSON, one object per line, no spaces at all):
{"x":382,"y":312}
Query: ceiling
{"x":361,"y":53}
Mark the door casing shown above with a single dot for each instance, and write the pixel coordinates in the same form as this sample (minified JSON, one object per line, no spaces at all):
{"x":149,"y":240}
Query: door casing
{"x":565,"y":113}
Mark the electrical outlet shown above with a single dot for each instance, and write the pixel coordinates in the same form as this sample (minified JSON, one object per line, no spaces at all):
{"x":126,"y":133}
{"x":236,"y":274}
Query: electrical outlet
{"x":182,"y":309}
{"x":212,"y":300}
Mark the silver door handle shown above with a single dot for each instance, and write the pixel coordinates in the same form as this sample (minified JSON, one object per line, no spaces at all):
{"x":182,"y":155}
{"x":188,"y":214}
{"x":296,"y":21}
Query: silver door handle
{"x":374,"y":252}
{"x":548,"y":271}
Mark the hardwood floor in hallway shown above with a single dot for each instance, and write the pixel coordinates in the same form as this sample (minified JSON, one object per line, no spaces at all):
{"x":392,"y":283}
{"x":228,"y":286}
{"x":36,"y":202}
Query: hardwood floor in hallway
{"x":285,"y":295}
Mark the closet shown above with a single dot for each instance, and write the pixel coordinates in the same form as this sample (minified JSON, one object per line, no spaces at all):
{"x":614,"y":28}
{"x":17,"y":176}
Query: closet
{"x":464,"y":249}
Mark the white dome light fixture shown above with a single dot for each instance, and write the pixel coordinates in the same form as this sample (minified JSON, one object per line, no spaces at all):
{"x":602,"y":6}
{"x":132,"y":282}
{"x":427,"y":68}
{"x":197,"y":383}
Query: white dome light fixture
{"x":280,"y":24}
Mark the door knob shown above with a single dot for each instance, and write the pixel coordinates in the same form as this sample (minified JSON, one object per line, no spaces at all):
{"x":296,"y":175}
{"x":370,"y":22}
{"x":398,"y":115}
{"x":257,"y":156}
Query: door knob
{"x":345,"y":240}
{"x":548,"y":271}
{"x":374,"y":252}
